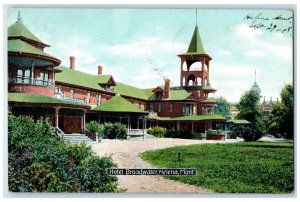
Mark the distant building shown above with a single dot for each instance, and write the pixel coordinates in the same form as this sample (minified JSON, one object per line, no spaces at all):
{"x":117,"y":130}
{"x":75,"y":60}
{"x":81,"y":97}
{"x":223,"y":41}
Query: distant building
{"x":233,"y":110}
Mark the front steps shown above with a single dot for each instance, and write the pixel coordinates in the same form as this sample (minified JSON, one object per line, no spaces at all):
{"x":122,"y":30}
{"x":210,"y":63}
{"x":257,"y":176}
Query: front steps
{"x":77,"y":139}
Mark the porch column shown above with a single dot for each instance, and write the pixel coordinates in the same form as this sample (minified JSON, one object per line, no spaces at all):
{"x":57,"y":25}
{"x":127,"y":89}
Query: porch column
{"x":32,"y":71}
{"x":178,"y":126}
{"x":56,"y":116}
{"x":83,"y":124}
{"x":138,"y":123}
{"x":128,"y":123}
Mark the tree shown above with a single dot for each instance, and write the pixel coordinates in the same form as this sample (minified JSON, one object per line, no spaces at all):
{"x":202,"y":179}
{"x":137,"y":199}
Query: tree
{"x":223,"y":107}
{"x":249,"y":110}
{"x":282,"y":121}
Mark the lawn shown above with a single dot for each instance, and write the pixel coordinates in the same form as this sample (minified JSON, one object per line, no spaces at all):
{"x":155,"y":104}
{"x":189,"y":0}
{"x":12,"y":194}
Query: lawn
{"x":247,"y":167}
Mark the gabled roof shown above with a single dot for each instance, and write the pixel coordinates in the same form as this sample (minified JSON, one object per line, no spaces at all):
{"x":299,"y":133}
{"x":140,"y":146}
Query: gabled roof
{"x":119,"y":104}
{"x":40,"y":99}
{"x":79,"y":78}
{"x":158,"y":89}
{"x":132,"y":91}
{"x":178,"y":94}
{"x":18,"y":30}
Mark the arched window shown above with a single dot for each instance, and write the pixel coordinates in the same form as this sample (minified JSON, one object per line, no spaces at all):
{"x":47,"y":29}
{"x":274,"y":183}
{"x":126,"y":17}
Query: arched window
{"x":196,"y":66}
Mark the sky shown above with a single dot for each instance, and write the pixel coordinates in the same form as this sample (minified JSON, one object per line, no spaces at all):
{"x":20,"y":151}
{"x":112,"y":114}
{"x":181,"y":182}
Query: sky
{"x":140,"y":46}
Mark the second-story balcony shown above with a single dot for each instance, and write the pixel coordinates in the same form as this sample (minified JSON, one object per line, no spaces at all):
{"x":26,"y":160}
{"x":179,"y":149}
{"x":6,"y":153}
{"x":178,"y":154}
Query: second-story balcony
{"x":30,"y":81}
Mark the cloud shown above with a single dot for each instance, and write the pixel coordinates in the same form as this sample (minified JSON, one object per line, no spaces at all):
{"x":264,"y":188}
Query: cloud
{"x":225,"y":53}
{"x":140,"y":47}
{"x":255,"y":53}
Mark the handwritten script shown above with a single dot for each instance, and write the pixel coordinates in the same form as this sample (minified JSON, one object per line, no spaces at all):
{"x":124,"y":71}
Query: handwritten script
{"x":279,"y":23}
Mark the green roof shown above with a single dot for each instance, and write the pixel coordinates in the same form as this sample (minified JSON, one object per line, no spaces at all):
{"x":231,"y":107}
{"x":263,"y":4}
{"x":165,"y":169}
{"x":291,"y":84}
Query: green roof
{"x":178,"y":94}
{"x":209,"y":100}
{"x":39,"y":99}
{"x":17,"y":45}
{"x":190,"y":118}
{"x":238,"y":121}
{"x":134,"y":92}
{"x":19,"y":30}
{"x":118,"y":104}
{"x":196,"y":46}
{"x":79,"y":78}
{"x":193,"y":88}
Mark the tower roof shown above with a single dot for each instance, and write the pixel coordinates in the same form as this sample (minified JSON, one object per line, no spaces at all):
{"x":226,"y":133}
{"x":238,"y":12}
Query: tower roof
{"x":20,"y":31}
{"x":196,"y":46}
{"x":255,"y":88}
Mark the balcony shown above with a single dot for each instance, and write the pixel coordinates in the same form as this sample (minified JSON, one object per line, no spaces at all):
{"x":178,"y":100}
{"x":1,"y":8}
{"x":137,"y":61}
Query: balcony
{"x":30,"y":81}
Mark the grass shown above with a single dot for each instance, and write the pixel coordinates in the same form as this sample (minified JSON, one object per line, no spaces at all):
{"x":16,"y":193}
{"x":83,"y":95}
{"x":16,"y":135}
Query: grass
{"x":254,"y":167}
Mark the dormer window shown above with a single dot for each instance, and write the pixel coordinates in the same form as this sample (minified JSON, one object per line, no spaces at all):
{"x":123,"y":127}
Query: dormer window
{"x":158,"y":95}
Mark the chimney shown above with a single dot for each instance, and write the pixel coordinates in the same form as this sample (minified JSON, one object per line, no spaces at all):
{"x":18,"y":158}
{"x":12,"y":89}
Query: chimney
{"x":72,"y":62}
{"x":100,"y":69}
{"x":167,"y":89}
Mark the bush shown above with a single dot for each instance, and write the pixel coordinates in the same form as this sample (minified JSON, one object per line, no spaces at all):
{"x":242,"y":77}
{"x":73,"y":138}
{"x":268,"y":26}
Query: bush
{"x":95,"y":127}
{"x":251,"y":133}
{"x":39,"y":162}
{"x":157,"y":131}
{"x":179,"y":133}
{"x":115,"y":131}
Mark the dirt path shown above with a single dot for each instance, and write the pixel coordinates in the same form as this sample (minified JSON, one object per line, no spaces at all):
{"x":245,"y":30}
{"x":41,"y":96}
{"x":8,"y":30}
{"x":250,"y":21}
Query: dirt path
{"x":126,"y":154}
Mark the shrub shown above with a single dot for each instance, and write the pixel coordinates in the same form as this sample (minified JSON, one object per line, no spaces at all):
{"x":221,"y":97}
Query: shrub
{"x":39,"y":162}
{"x":157,"y":131}
{"x":179,"y":133}
{"x":115,"y":131}
{"x":95,"y":127}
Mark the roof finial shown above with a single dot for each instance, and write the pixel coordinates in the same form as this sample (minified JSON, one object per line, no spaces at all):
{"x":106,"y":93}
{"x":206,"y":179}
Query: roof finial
{"x":19,"y":17}
{"x":196,"y":16}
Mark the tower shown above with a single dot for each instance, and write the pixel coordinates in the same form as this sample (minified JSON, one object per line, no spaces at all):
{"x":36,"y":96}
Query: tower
{"x":194,"y":73}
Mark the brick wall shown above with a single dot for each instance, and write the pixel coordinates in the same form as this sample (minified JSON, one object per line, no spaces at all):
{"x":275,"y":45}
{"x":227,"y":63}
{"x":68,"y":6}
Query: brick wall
{"x":177,"y":109}
{"x":26,"y":88}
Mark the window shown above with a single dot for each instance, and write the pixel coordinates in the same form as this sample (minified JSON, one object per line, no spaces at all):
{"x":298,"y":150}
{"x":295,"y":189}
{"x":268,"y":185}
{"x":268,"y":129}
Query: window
{"x":140,"y":104}
{"x":151,"y":107}
{"x":158,"y":95}
{"x":72,"y":92}
{"x":43,"y":78}
{"x":99,"y":99}
{"x":159,"y":107}
{"x":188,"y":109}
{"x":27,"y":76}
{"x":19,"y":76}
{"x":89,"y":97}
{"x":171,"y":107}
{"x":23,"y":76}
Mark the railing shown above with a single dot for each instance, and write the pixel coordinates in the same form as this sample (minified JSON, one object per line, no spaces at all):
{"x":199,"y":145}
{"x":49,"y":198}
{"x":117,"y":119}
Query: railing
{"x":109,"y":89}
{"x":90,"y":134}
{"x":137,"y":131}
{"x":30,"y":81}
{"x":72,"y":99}
{"x":59,"y":133}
